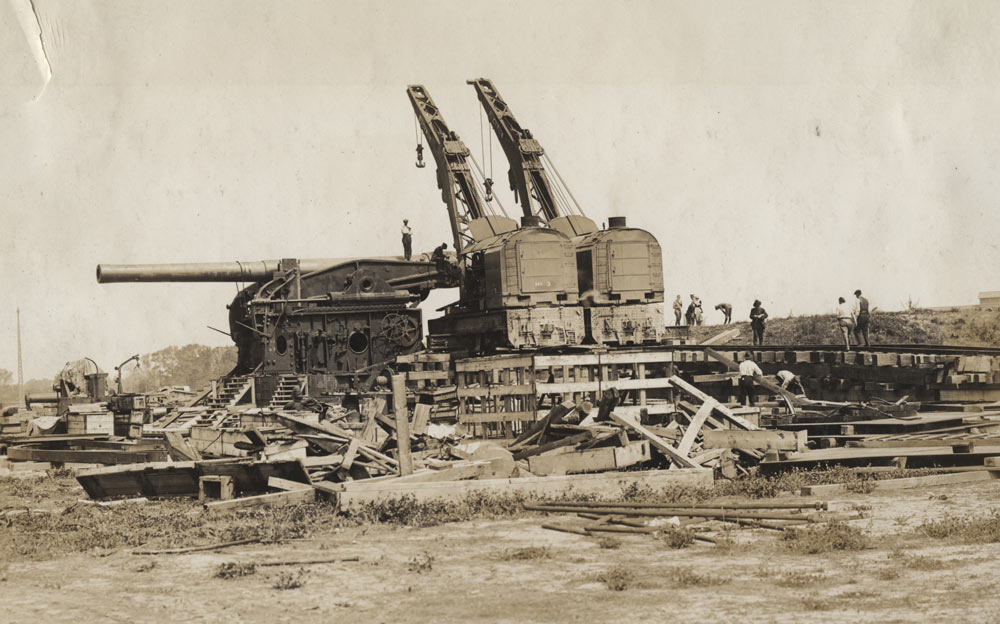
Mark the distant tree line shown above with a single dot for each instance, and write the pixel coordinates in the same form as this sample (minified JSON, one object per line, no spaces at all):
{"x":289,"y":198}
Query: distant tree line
{"x":192,"y":365}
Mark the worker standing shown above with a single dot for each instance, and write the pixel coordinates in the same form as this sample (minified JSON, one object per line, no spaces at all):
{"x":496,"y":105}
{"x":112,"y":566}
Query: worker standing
{"x":758,"y":321}
{"x":861,"y":318}
{"x":748,"y":368}
{"x":678,"y":306}
{"x":695,"y":310}
{"x":727,"y":312}
{"x":407,"y":240}
{"x":845,"y":321}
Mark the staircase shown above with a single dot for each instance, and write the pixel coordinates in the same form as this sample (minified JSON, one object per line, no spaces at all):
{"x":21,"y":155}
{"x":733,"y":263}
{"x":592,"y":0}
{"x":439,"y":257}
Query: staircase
{"x":287,"y":384}
{"x":233,"y":389}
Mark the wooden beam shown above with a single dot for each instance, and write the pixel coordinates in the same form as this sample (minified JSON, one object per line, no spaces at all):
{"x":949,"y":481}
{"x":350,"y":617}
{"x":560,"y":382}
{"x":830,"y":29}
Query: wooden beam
{"x":277,"y":499}
{"x":604,"y":484}
{"x":402,"y":424}
{"x":287,"y":485}
{"x":763,"y":439}
{"x":655,"y":440}
{"x":684,"y":446}
{"x":179,"y":448}
{"x":907,"y":482}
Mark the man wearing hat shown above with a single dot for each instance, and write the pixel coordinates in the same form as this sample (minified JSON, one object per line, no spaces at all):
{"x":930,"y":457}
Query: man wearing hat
{"x":407,"y":240}
{"x":861,"y":318}
{"x":758,"y":315}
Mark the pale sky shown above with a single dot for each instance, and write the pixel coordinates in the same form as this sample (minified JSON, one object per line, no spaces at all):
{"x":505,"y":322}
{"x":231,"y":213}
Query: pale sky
{"x":790,"y":151}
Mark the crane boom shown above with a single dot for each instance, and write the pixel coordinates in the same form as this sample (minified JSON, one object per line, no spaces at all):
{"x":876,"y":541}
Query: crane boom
{"x":527,"y":175}
{"x":528,"y":178}
{"x":471,"y":219}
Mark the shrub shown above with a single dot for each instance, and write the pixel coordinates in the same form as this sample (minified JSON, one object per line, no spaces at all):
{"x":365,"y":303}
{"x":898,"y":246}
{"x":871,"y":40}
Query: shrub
{"x":618,"y":578}
{"x":825,"y":538}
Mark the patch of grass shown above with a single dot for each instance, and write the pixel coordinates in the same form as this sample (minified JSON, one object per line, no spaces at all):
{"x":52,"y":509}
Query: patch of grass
{"x":609,"y":543}
{"x":173,"y":523}
{"x":815,"y":603}
{"x":983,"y":529}
{"x":687,"y":577}
{"x":799,"y":578}
{"x":60,"y":473}
{"x":524,"y":554}
{"x":677,"y":537}
{"x":408,"y":511}
{"x":424,"y":562}
{"x":234,"y":569}
{"x":826,"y":538}
{"x":618,"y":578}
{"x":917,"y":562}
{"x":290,"y":580}
{"x":145,"y":567}
{"x":888,"y":574}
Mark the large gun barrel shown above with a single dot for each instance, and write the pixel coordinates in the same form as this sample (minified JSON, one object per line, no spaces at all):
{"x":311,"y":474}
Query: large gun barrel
{"x":254,"y":271}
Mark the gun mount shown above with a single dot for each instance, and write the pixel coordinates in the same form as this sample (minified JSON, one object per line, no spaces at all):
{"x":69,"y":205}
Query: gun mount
{"x":339,"y":321}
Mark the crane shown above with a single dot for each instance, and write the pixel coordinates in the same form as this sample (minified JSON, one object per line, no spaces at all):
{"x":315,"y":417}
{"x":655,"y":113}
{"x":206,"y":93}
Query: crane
{"x":472,"y":219}
{"x":533,"y":190}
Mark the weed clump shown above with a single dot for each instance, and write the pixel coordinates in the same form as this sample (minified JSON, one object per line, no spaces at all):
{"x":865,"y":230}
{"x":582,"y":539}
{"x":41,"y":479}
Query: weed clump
{"x":609,"y":543}
{"x":233,"y":569}
{"x":524,"y":554}
{"x":678,"y":537}
{"x":799,"y":578}
{"x":424,"y":562}
{"x":686,"y":577}
{"x":826,"y":538}
{"x":618,"y":578}
{"x":290,"y":580}
{"x":971,"y":529}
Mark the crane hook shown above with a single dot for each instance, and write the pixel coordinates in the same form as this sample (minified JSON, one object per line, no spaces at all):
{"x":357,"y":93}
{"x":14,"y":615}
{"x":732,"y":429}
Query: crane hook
{"x":420,"y":157}
{"x":488,"y":183}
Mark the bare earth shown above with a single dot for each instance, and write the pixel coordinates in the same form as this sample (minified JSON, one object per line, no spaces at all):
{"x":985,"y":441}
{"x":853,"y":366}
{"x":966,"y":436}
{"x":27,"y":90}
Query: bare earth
{"x":476,"y":572}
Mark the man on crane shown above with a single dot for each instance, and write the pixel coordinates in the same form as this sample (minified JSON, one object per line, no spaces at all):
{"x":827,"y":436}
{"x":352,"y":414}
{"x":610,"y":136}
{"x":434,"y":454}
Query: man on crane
{"x":407,"y":240}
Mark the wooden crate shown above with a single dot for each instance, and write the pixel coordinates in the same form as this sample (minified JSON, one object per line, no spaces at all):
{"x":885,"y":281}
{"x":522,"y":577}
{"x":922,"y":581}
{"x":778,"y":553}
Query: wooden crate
{"x":90,"y":422}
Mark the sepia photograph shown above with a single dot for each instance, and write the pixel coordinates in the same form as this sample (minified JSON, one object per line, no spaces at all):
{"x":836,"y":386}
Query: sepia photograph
{"x":530,"y":311}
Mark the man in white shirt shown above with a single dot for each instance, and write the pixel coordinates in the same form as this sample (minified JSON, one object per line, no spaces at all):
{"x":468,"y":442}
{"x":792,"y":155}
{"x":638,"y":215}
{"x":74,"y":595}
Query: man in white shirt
{"x":407,"y":240}
{"x":790,"y":381}
{"x":845,"y":320}
{"x":748,"y":369}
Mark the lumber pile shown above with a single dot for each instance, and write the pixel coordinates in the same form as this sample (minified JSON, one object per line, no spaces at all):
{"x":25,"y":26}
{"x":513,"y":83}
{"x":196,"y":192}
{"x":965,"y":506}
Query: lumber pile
{"x":712,"y":524}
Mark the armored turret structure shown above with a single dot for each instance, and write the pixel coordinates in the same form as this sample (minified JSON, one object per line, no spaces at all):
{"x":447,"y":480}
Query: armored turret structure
{"x":318,"y":326}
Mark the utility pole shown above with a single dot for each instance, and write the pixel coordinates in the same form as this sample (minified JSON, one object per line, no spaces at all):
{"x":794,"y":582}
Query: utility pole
{"x":20,"y":370}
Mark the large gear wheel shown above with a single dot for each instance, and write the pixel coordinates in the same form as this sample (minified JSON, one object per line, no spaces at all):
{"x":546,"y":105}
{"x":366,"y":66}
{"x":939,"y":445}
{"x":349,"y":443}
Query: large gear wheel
{"x":400,"y":330}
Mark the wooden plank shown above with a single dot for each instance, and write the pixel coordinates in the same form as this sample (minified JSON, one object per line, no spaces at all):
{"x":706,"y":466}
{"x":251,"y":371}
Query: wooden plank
{"x":635,"y":384}
{"x":276,"y":499}
{"x":655,"y":440}
{"x":594,"y":460}
{"x":638,"y":357}
{"x":567,"y":387}
{"x":684,"y":446}
{"x":722,"y":337}
{"x":758,"y":379}
{"x":604,"y":484}
{"x":497,"y":417}
{"x":492,"y":363}
{"x":350,"y":454}
{"x":762,"y":439}
{"x":421,"y":414}
{"x":179,"y":448}
{"x":402,"y":424}
{"x":27,"y":453}
{"x":421,"y":375}
{"x":288,"y":485}
{"x":908,"y":482}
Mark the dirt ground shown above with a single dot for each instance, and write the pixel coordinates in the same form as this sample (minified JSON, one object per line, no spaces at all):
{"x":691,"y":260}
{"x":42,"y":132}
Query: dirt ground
{"x":512,"y":570}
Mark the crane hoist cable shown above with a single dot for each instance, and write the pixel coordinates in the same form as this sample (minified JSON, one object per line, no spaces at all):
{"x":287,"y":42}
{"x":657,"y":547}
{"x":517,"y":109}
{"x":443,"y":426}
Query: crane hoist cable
{"x":487,"y":179}
{"x":420,"y":143}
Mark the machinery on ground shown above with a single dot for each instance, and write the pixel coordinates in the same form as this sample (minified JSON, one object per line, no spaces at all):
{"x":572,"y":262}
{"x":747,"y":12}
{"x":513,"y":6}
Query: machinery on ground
{"x":620,"y":269}
{"x":327,"y":324}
